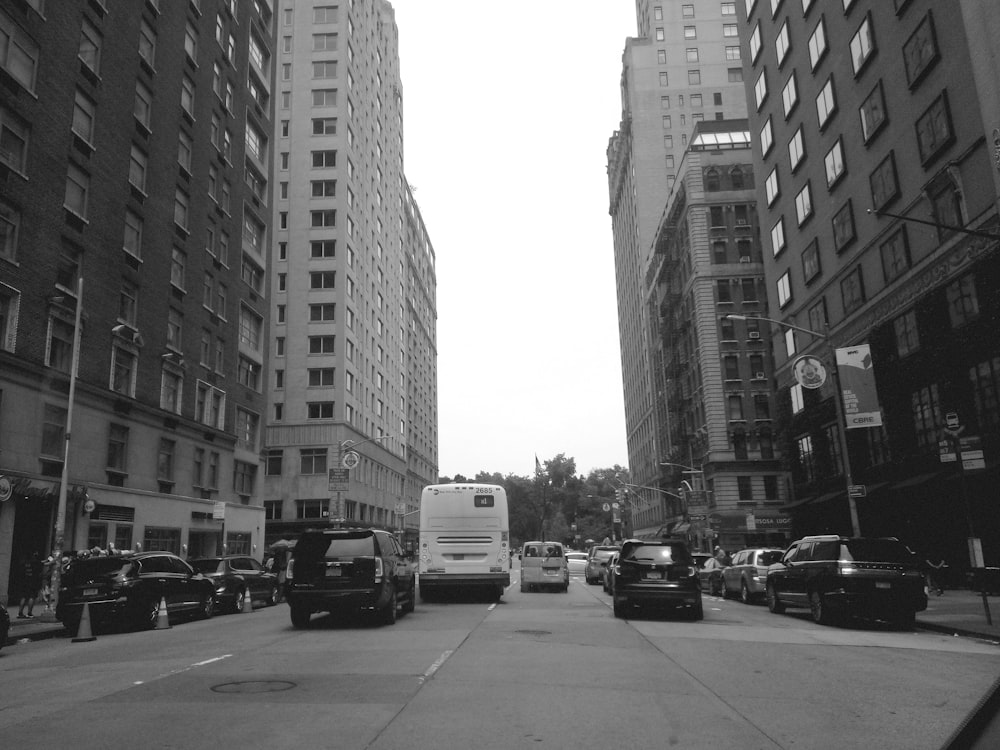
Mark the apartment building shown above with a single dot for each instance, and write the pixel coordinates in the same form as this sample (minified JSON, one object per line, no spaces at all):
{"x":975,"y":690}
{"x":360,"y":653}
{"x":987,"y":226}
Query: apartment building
{"x":707,"y":276}
{"x":352,"y":398}
{"x":876,"y":133}
{"x":134,"y":206}
{"x":682,"y":69}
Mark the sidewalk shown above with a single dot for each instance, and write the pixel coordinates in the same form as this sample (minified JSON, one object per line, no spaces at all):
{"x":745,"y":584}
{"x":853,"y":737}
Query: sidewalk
{"x":957,"y":611}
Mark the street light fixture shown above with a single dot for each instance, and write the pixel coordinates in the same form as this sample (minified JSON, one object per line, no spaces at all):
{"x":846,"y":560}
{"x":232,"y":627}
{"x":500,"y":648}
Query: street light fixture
{"x":838,"y":398}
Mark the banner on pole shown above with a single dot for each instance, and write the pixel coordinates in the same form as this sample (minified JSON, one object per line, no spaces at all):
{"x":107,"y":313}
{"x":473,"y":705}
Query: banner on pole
{"x":857,"y":386}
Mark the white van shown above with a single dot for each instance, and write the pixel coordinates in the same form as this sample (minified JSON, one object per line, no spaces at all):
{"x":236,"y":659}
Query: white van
{"x":543,"y":565}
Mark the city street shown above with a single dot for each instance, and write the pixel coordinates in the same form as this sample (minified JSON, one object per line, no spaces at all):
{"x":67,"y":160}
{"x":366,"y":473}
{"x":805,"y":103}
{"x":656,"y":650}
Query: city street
{"x":538,"y":669}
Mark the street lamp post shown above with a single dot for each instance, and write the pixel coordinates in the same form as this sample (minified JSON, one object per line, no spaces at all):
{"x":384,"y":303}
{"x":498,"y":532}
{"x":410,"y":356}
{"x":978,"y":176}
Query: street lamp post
{"x":838,"y":398}
{"x":60,"y":530}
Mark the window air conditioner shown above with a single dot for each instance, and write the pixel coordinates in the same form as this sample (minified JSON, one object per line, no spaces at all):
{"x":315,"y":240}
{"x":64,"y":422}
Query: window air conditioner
{"x":744,"y":259}
{"x":758,"y":376}
{"x":754,"y":334}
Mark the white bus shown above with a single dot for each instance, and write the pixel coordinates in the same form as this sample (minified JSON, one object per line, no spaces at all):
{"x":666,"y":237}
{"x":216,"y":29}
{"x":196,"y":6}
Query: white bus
{"x":464,"y":538}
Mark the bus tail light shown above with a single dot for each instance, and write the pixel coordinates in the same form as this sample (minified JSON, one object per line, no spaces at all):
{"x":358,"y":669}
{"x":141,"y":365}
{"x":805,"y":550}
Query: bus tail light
{"x":379,"y":570}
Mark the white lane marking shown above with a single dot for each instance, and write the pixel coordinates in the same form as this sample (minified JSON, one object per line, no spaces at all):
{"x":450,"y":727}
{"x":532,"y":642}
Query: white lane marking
{"x":184,"y":669}
{"x":435,"y":666}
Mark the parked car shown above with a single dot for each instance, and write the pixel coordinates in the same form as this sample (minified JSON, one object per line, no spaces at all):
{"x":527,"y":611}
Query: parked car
{"x":747,"y":575}
{"x":543,"y":565}
{"x":235,"y":577}
{"x":4,"y":625}
{"x":655,"y":573}
{"x":709,"y":572}
{"x":576,"y":562}
{"x":596,"y":559}
{"x":349,"y":570}
{"x":128,"y":589}
{"x":838,"y":577}
{"x":607,"y":579}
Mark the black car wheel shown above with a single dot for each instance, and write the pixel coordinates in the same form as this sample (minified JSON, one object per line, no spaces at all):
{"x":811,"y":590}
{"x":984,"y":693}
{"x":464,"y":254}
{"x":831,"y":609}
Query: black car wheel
{"x":207,"y":607}
{"x":773,"y":602}
{"x":388,"y":614}
{"x":300,"y":616}
{"x":744,"y":592}
{"x":821,"y":613}
{"x":620,"y":606}
{"x":411,"y":597}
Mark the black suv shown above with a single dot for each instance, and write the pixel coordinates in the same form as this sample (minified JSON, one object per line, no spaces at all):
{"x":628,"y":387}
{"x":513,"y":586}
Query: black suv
{"x":836,"y":577}
{"x":128,"y":590}
{"x":655,"y":573}
{"x":349,"y":570}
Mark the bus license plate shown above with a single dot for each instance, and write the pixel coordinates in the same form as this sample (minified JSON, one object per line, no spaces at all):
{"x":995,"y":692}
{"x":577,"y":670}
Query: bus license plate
{"x":333,"y":572}
{"x":883,"y":585}
{"x":90,"y":592}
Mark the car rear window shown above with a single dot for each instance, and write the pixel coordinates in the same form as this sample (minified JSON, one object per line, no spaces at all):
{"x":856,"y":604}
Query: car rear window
{"x":336,"y":546}
{"x":206,"y":566}
{"x":95,"y":567}
{"x":604,"y":554}
{"x":659,"y":553}
{"x":876,"y":550}
{"x":542,"y":550}
{"x":769,"y":558}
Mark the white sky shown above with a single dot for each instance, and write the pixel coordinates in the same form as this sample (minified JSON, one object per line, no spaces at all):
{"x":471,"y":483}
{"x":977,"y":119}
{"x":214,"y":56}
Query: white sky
{"x":508,"y":108}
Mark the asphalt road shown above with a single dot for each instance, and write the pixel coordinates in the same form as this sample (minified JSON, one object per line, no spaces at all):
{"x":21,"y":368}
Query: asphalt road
{"x":536,"y":670}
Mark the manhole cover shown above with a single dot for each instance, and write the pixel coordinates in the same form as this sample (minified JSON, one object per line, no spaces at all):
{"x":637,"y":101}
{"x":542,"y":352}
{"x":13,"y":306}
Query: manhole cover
{"x":534,"y":632}
{"x":254,"y":686}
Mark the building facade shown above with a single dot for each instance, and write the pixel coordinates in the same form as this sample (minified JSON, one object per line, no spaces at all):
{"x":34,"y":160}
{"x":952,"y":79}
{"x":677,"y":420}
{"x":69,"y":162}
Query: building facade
{"x":707,"y":277}
{"x":876,"y":131}
{"x":352,"y":400}
{"x":134,"y":198}
{"x":683,"y":68}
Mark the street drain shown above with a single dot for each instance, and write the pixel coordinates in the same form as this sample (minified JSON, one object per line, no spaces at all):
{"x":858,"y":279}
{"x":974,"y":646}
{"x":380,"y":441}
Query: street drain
{"x":254,"y":686}
{"x":534,"y":632}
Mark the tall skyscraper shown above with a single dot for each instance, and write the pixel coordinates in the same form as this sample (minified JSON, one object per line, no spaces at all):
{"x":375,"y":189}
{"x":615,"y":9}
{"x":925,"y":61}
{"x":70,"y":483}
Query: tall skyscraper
{"x":683,"y":68}
{"x":352,"y":401}
{"x":130,"y":158}
{"x":877,"y":132}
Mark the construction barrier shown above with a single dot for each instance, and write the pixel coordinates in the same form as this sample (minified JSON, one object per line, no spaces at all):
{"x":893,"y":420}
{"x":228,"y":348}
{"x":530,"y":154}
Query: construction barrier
{"x":247,"y":601}
{"x":162,"y":621}
{"x":83,"y":633}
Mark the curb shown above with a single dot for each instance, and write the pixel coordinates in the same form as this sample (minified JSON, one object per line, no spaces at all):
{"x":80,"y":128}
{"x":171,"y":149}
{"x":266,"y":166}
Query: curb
{"x":38,"y":635}
{"x":950,"y":630}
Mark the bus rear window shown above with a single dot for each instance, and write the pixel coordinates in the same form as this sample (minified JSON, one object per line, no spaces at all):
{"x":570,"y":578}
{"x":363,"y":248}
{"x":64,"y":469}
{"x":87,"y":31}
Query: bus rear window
{"x":482,"y":501}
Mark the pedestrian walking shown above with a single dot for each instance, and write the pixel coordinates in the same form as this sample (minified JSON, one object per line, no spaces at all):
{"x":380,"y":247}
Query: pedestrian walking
{"x":935,"y":575}
{"x":48,"y":566}
{"x":30,"y":583}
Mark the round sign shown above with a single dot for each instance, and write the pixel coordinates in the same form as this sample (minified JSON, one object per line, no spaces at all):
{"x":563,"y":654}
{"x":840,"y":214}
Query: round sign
{"x":89,"y":505}
{"x":809,"y":372}
{"x":350,"y":460}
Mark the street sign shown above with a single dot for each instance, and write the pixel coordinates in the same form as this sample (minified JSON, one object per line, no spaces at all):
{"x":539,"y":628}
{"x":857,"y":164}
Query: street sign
{"x":946,"y":451}
{"x":219,"y":511}
{"x":951,"y":420}
{"x":339,"y":480}
{"x":857,"y":490}
{"x":971,"y":449}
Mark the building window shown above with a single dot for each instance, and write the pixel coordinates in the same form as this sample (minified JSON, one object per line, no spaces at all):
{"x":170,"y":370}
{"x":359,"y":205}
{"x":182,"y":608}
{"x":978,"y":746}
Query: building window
{"x":796,"y":393}
{"x":883,"y":182}
{"x":843,"y":226}
{"x":985,"y":379}
{"x":817,"y":315}
{"x":272,"y":463}
{"x":147,"y":44}
{"x":321,"y":344}
{"x":312,"y":461}
{"x":305,"y":509}
{"x":320,"y":410}
{"x":84,"y":114}
{"x":53,"y":432}
{"x":906,"y":333}
{"x":324,"y":43}
{"x":963,"y":302}
{"x":872,"y":111}
{"x":852,"y":290}
{"x":755,"y":43}
{"x":766,"y":137}
{"x":817,"y":44}
{"x":90,"y":47}
{"x":165,"y":461}
{"x":760,"y":89}
{"x":181,"y":204}
{"x":323,"y":280}
{"x":784,"y":287}
{"x":210,"y":405}
{"x":810,"y":261}
{"x":132,"y":241}
{"x":826,"y":103}
{"x":60,"y":351}
{"x":247,"y":427}
{"x":694,"y":78}
{"x":934,"y":130}
{"x":782,"y":44}
{"x":771,"y":188}
{"x":327,"y":158}
{"x":895,"y":254}
{"x":123,"y":370}
{"x":946,"y":202}
{"x":807,"y":460}
{"x":244,"y":475}
{"x":803,"y":204}
{"x":789,"y":95}
{"x":796,"y":149}
{"x":77,"y":190}
{"x":778,"y":237}
{"x":926,"y":409}
{"x":321,"y":377}
{"x":734,"y":408}
{"x":251,"y":327}
{"x":920,"y":51}
{"x":117,"y":448}
{"x":833,"y":163}
{"x":862,"y":45}
{"x":272,"y":510}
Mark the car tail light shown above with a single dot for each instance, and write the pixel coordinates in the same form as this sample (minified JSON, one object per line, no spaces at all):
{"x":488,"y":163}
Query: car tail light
{"x":290,"y":570}
{"x":379,"y":570}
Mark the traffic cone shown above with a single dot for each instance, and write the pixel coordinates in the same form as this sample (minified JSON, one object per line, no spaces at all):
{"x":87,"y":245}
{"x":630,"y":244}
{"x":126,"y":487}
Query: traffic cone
{"x":162,"y":621}
{"x":247,"y":601}
{"x":83,"y":633}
